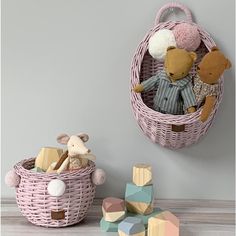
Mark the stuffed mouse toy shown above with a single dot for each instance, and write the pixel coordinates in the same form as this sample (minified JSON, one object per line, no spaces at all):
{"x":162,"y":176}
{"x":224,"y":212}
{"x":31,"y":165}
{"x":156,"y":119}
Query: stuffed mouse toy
{"x":75,"y":157}
{"x":174,"y":86}
{"x":206,"y":87}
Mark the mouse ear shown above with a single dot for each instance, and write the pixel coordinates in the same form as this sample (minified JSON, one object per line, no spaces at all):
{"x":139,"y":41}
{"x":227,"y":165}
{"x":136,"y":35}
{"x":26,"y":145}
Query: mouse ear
{"x":227,"y":64}
{"x":63,"y":138}
{"x":84,"y":137}
{"x":214,"y":48}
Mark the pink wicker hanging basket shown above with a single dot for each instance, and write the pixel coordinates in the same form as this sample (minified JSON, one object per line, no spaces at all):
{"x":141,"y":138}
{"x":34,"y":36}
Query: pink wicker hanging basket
{"x":42,"y":209}
{"x":171,"y":131}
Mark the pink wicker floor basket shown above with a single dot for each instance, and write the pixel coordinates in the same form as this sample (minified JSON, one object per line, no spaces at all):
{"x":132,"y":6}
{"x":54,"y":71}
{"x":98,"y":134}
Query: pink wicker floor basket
{"x":37,"y":205}
{"x":171,"y":131}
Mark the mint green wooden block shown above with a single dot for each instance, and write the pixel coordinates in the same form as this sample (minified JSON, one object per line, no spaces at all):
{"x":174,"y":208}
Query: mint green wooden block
{"x":109,"y":226}
{"x":145,"y":218}
{"x":136,"y":193}
{"x":37,"y":169}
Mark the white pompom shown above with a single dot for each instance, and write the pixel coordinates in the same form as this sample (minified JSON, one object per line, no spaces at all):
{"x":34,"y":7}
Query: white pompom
{"x":56,"y":187}
{"x":12,"y":179}
{"x":99,"y":177}
{"x":159,"y":43}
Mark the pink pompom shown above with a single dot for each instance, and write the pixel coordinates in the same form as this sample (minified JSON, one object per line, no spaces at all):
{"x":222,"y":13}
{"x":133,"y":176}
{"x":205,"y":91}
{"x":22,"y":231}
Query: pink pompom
{"x":12,"y":179}
{"x":99,"y":177}
{"x":187,"y":36}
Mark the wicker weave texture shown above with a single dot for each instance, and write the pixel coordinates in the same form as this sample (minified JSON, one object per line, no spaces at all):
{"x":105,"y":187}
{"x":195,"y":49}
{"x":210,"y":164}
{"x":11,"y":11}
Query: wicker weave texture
{"x":158,"y":126}
{"x":36,"y":204}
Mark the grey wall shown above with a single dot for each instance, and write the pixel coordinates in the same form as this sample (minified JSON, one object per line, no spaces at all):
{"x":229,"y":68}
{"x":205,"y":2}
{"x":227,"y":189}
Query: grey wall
{"x":66,"y":68}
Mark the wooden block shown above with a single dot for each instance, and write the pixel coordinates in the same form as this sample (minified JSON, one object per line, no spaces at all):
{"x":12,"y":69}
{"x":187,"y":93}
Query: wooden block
{"x":112,"y":204}
{"x":139,"y":207}
{"x":51,"y":168}
{"x":163,"y":224}
{"x":107,"y":226}
{"x":135,"y":193}
{"x":131,"y":226}
{"x":37,"y":169}
{"x":47,"y":156}
{"x":145,"y":218}
{"x":138,"y":234}
{"x":142,"y":174}
{"x":113,"y":216}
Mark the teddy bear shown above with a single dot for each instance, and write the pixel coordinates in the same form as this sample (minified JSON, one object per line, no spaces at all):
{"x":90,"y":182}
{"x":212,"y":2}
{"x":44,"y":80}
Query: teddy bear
{"x":174,"y":85}
{"x":206,"y":86}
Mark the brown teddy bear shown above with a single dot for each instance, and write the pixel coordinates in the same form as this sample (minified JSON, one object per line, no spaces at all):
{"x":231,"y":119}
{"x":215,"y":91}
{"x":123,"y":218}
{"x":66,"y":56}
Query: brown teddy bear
{"x":206,"y":87}
{"x":174,"y":86}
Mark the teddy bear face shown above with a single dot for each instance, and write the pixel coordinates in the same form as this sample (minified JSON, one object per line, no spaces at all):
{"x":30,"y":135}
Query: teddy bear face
{"x":178,"y":63}
{"x":212,"y":66}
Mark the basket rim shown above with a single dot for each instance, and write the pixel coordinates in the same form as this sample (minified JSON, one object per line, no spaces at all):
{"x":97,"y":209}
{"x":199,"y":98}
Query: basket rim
{"x":136,"y":99}
{"x":22,"y":171}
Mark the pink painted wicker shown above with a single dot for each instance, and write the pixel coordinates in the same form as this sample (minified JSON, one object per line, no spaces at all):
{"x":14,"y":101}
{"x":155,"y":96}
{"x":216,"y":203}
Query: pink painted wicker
{"x":157,"y":126}
{"x":36,"y":204}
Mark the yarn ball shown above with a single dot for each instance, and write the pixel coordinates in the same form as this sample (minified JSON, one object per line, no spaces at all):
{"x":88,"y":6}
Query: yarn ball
{"x":159,"y":42}
{"x":12,"y":179}
{"x":56,"y":187}
{"x":98,"y":177}
{"x":187,"y":36}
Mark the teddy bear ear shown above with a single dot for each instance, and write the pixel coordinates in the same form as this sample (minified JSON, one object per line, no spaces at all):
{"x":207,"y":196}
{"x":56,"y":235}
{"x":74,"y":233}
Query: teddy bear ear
{"x":170,"y":48}
{"x":227,"y":64}
{"x":214,"y":48}
{"x":193,"y":55}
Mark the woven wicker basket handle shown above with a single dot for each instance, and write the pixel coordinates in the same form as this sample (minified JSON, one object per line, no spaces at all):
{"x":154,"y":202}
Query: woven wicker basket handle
{"x":171,"y":6}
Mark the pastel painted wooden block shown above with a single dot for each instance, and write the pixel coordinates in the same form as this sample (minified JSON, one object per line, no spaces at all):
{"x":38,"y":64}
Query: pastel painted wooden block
{"x":142,"y":174}
{"x":145,"y":218}
{"x":37,"y":169}
{"x":107,"y":226}
{"x":163,"y":224}
{"x":138,"y":234}
{"x":113,"y":216}
{"x":131,"y":226}
{"x":112,"y":204}
{"x":139,"y":193}
{"x":47,"y":156}
{"x":139,"y":207}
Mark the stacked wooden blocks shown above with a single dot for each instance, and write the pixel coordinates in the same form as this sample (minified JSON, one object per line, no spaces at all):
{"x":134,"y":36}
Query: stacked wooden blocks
{"x":114,"y":211}
{"x":139,"y":194}
{"x":140,"y":212}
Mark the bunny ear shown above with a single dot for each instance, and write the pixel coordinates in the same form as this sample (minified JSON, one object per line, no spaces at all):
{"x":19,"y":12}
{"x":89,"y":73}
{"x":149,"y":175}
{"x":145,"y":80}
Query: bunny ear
{"x":63,"y":138}
{"x":83,"y":136}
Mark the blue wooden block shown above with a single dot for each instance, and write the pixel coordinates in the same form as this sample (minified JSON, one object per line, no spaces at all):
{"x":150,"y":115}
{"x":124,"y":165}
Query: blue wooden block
{"x":145,"y":218}
{"x":135,"y":193}
{"x":131,"y":225}
{"x":109,"y":226}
